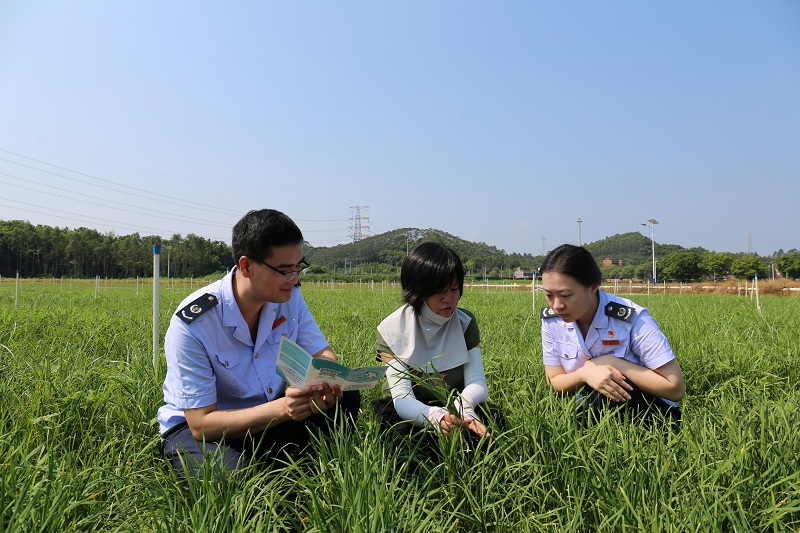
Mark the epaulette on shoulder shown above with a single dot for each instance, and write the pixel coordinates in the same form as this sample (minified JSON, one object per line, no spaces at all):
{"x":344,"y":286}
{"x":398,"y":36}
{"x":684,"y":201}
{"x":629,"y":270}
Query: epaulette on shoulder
{"x":547,"y":312}
{"x":197,"y":308}
{"x":622,"y":312}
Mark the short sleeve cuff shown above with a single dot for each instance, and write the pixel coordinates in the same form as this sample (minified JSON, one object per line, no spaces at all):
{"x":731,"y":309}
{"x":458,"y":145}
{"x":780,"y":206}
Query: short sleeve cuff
{"x":551,"y":360}
{"x":660,"y":360}
{"x":191,"y":402}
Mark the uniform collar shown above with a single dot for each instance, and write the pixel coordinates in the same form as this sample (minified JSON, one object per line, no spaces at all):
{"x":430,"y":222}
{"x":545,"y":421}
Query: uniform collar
{"x":599,"y":322}
{"x":231,"y":315}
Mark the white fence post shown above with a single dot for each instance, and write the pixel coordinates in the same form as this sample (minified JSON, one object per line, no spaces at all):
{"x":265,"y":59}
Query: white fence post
{"x":156,"y":283}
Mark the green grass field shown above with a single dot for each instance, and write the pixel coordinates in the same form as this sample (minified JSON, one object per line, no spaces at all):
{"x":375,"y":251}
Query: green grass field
{"x":79,"y":444}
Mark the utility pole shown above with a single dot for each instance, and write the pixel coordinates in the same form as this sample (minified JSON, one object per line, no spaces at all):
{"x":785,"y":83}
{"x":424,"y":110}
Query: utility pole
{"x":653,"y":222}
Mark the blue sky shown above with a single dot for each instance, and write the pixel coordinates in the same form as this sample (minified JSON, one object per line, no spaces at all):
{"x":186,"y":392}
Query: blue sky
{"x":500,"y":122}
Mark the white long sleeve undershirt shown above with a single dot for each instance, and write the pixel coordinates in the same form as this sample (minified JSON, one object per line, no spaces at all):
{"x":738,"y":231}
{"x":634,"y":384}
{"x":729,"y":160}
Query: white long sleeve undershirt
{"x":409,"y":408}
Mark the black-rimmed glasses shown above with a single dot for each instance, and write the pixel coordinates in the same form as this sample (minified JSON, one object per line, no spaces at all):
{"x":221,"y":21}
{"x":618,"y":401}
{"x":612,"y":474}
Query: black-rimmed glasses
{"x":287,"y":276}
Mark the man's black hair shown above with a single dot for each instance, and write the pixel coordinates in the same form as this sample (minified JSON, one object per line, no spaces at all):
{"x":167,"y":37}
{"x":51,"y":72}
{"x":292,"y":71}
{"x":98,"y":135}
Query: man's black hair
{"x":259,"y":231}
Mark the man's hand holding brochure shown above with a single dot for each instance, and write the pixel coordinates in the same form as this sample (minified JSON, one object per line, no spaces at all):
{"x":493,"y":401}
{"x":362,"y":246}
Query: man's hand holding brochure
{"x":299,"y":368}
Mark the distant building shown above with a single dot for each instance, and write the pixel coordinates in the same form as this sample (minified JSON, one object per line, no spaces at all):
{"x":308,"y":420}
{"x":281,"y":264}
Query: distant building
{"x":523,"y":274}
{"x":608,"y":261}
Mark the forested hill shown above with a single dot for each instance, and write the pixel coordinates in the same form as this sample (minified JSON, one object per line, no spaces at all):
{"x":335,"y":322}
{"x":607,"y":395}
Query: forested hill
{"x":388,"y":249}
{"x":633,"y":248}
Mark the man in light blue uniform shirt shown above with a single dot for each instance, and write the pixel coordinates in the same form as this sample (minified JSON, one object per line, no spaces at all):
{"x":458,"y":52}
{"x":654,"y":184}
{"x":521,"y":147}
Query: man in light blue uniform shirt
{"x":222,"y":393}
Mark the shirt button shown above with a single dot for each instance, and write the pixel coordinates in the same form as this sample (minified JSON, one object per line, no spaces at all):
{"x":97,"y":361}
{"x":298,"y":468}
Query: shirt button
{"x":255,"y":356}
{"x":269,"y":390}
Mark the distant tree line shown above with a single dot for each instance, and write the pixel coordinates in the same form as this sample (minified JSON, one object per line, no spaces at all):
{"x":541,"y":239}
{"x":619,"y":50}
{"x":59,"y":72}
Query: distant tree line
{"x":44,"y":251}
{"x":675,"y":263}
{"x":688,"y":265}
{"x":37,"y":251}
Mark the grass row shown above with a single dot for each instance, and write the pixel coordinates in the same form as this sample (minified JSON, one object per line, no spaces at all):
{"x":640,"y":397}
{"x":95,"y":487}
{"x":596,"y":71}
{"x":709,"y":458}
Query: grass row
{"x":79,"y":443}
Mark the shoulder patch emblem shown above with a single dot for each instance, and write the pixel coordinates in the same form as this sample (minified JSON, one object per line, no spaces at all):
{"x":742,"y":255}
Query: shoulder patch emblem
{"x":622,"y":312}
{"x":548,"y":312}
{"x":197,"y":308}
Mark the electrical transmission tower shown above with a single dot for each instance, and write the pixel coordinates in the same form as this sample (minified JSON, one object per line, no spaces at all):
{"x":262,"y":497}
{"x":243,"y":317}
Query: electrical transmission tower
{"x":359,"y":222}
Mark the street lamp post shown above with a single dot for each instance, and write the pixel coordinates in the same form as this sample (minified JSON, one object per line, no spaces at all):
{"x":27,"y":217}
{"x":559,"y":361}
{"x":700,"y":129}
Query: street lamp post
{"x":653,"y":222}
{"x":579,"y":230}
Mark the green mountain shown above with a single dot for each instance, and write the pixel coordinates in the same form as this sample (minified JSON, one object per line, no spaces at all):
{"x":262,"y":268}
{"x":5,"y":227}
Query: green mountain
{"x":389,"y":249}
{"x":632,"y":248}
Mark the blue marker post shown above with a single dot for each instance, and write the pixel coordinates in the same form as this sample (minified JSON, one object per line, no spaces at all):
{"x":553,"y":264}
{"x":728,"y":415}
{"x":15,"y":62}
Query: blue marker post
{"x":156,"y":283}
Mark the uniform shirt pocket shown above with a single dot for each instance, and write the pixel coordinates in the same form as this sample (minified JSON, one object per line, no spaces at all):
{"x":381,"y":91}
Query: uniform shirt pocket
{"x":230,"y":375}
{"x":571,"y":356}
{"x":567,"y":351}
{"x":615,"y":347}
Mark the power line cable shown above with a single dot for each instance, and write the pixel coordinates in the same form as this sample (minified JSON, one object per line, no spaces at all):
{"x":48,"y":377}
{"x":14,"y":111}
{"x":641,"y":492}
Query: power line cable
{"x":139,"y":193}
{"x":163,"y":215}
{"x":79,"y":217}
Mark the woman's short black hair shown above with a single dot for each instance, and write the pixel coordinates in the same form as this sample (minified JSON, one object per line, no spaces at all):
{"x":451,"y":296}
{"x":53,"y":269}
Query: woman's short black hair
{"x":429,"y":268}
{"x":259,"y":231}
{"x":575,"y":262}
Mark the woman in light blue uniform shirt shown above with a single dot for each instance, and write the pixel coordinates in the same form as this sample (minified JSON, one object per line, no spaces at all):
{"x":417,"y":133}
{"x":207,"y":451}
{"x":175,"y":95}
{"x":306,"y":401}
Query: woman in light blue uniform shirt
{"x":607,"y":349}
